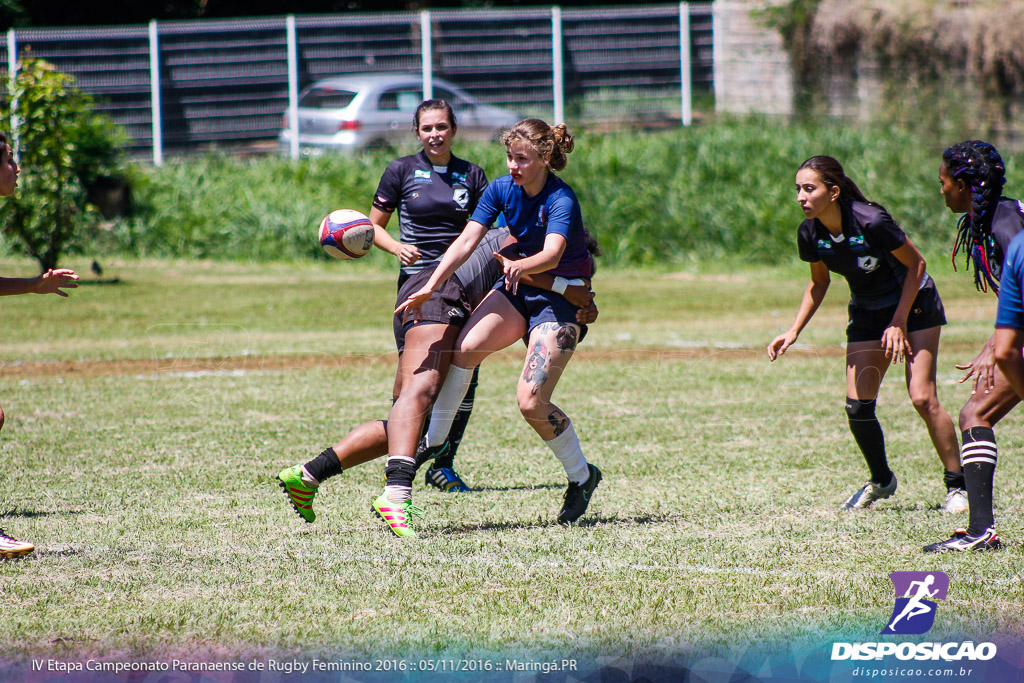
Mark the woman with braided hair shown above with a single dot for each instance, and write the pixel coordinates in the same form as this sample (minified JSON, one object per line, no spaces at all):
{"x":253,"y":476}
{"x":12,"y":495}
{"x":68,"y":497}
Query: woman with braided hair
{"x":895,"y":314}
{"x":972,"y":175}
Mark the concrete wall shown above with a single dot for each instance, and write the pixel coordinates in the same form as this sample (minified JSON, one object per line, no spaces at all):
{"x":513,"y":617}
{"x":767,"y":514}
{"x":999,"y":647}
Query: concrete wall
{"x":752,"y":72}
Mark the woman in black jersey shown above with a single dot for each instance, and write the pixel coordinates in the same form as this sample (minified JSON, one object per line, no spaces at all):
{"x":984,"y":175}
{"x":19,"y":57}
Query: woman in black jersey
{"x":434,"y":193}
{"x":972,"y":175}
{"x":895,"y":314}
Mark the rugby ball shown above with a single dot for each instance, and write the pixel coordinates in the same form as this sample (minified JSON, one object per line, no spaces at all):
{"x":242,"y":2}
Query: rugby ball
{"x":346,"y":234}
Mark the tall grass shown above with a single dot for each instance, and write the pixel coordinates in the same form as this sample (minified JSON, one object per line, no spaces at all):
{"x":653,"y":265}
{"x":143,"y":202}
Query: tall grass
{"x":722,"y":189}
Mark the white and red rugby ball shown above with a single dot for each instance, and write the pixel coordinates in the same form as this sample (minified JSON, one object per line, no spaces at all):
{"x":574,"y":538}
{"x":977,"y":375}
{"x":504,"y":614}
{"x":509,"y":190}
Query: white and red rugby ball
{"x":346,"y":234}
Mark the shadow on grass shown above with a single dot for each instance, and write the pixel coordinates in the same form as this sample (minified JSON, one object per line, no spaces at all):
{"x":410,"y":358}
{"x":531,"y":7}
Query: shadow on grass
{"x":594,"y":521}
{"x":29,"y":514}
{"x":523,"y":487}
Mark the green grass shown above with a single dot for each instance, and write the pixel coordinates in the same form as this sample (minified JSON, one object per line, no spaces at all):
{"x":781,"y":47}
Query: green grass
{"x":146,"y":423}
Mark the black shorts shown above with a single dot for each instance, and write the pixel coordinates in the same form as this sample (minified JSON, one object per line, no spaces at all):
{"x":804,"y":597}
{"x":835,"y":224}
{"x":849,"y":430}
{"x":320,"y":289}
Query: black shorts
{"x":448,"y":306}
{"x":868,"y":325}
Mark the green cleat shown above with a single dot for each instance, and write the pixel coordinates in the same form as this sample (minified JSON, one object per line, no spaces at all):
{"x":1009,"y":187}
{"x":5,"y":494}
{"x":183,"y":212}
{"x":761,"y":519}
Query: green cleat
{"x":299,"y":495}
{"x":396,"y":515}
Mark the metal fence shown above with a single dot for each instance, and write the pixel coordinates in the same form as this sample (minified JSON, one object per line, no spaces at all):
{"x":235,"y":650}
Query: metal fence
{"x":185,"y":85}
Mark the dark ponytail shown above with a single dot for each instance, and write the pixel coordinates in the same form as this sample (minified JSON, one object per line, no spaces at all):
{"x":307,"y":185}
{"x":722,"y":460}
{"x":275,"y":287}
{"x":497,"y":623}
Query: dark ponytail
{"x":831,"y":173}
{"x":979,"y":165}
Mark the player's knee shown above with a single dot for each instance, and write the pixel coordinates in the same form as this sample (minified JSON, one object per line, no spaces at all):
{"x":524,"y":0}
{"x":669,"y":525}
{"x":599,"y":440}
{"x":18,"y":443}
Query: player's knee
{"x":531,"y":406}
{"x":858,"y":410}
{"x":925,"y":402}
{"x":968,"y":417}
{"x":422,"y":393}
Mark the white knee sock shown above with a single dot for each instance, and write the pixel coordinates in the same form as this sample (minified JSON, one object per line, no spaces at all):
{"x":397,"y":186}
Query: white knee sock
{"x":456,"y":384}
{"x":566,"y":447}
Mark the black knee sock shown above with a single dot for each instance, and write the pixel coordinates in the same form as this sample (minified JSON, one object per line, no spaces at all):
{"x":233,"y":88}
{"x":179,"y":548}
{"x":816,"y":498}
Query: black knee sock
{"x":324,"y":466}
{"x":978,"y":456}
{"x":458,"y":428}
{"x":954,"y":480}
{"x":867,"y":432}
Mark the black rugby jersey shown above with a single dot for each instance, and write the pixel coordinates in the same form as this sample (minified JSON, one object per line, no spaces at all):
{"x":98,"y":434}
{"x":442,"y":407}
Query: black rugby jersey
{"x":863,"y":256}
{"x":481,"y":270}
{"x":1007,"y":221}
{"x":433,"y":208}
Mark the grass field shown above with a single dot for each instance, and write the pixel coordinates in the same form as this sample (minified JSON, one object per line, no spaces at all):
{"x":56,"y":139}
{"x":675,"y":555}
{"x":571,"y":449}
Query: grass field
{"x":146,"y":422}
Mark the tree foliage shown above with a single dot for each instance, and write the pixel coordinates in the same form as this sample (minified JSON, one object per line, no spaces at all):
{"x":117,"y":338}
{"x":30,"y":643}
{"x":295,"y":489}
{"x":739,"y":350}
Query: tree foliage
{"x":63,"y":146}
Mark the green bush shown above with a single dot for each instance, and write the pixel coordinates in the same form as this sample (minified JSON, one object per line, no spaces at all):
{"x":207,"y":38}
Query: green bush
{"x":699,"y":194}
{"x":63,"y":146}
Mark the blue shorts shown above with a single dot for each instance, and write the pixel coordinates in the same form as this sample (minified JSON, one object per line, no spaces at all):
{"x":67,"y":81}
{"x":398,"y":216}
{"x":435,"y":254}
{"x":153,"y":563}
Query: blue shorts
{"x":540,"y":306}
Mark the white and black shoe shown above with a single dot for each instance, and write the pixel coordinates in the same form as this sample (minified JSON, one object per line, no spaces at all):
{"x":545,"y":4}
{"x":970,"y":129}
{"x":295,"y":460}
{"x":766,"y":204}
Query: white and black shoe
{"x":960,"y":541}
{"x":956,"y":501}
{"x":577,"y":497}
{"x":868,"y":494}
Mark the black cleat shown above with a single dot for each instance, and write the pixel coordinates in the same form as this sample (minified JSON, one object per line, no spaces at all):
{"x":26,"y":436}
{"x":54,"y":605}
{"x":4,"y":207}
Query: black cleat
{"x":577,"y":497}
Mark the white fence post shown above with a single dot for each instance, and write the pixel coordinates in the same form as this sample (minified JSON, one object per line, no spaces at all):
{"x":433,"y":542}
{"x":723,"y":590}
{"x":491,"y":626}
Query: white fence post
{"x":293,"y":85}
{"x":427,"y":47}
{"x":154,"y":87}
{"x":685,"y":72}
{"x":12,"y":69}
{"x":557,"y":69}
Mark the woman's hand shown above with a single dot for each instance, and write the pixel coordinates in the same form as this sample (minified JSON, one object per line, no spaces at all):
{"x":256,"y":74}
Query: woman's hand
{"x":982,"y":368}
{"x":411,"y":306}
{"x":513,"y":271}
{"x":53,"y":280}
{"x":780,"y":344}
{"x":408,"y":254}
{"x":579,"y":296}
{"x":587,"y":314}
{"x":895,"y":344}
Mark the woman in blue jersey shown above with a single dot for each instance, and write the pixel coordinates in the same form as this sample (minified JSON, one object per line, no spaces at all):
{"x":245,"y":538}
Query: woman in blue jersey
{"x":544,"y":216}
{"x":370,"y":440}
{"x":895,"y":314}
{"x":971,"y":177}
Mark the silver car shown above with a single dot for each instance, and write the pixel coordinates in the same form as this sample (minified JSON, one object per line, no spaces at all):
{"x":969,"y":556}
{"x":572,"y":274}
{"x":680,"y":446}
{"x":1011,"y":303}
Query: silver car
{"x":376,"y":110}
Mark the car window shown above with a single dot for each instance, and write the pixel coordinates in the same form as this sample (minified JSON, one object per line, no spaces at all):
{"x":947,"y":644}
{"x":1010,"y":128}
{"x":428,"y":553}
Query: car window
{"x":403,"y":99}
{"x":326,"y":98}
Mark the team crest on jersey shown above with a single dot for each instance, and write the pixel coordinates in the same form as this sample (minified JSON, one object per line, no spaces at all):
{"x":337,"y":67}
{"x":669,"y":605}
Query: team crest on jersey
{"x":856,"y":240}
{"x":461,"y":196}
{"x":459,"y":177}
{"x":542,"y":216}
{"x":824,"y":245}
{"x":867,"y":263}
{"x":420,"y":176}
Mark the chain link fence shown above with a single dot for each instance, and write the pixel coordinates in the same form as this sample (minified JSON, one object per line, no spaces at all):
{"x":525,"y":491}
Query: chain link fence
{"x":188,"y":85}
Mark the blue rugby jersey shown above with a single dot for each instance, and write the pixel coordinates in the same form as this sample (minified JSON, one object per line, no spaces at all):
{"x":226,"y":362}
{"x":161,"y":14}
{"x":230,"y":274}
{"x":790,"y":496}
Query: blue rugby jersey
{"x":554,"y":209}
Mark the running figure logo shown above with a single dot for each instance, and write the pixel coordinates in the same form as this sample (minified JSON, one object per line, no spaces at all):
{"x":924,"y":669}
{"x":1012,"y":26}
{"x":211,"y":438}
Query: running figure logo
{"x":913,"y":612}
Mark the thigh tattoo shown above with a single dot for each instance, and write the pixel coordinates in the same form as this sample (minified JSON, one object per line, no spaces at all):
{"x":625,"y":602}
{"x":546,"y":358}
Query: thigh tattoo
{"x":566,"y":338}
{"x":534,"y":370}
